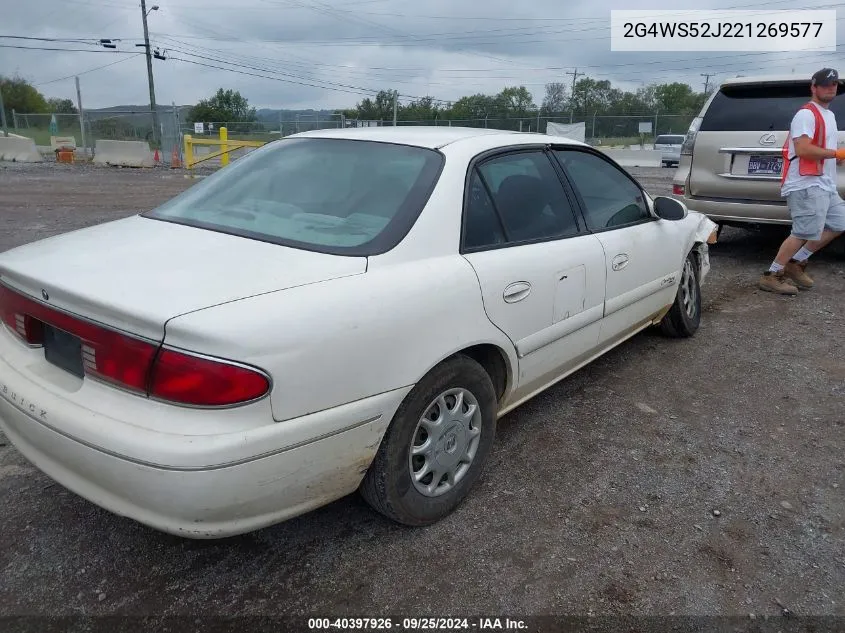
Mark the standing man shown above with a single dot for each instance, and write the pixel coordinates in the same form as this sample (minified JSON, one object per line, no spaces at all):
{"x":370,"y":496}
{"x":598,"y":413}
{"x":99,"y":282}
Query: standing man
{"x":809,"y":185}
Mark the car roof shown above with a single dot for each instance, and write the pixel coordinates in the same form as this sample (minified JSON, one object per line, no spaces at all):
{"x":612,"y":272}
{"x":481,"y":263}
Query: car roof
{"x":767,"y":79}
{"x":436,"y":137}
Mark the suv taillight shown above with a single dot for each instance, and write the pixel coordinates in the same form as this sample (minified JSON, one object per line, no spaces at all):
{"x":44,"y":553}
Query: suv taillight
{"x":136,"y":364}
{"x":689,"y":140}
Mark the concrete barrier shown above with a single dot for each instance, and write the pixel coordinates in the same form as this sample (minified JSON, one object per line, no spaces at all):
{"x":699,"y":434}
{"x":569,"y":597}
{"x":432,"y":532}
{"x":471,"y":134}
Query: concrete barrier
{"x":19,"y":149}
{"x":635,"y":157}
{"x":123,"y":153}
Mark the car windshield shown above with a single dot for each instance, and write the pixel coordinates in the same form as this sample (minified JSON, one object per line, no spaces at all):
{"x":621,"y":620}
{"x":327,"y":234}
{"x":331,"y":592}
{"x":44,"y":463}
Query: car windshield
{"x":332,"y":195}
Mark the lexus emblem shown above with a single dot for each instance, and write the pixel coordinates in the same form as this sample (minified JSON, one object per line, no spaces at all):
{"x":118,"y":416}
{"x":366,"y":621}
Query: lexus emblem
{"x":768,"y":139}
{"x":44,"y":295}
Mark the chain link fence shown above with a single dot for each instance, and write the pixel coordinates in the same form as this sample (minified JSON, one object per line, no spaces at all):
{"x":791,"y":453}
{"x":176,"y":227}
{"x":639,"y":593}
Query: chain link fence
{"x":137,"y":125}
{"x":118,"y":125}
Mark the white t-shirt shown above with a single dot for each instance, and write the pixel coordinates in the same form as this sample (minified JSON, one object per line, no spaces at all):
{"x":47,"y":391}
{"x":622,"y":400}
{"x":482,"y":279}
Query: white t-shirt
{"x":804,"y":122}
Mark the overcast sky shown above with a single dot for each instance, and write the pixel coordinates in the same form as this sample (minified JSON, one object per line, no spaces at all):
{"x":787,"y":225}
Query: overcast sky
{"x":346,"y":49}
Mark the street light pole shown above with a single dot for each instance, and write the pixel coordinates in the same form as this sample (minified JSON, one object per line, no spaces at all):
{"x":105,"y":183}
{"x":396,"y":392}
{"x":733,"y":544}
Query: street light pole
{"x":150,"y":69}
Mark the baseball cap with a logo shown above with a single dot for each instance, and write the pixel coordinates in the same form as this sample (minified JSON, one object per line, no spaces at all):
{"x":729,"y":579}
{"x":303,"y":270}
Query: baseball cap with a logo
{"x":825,"y":77}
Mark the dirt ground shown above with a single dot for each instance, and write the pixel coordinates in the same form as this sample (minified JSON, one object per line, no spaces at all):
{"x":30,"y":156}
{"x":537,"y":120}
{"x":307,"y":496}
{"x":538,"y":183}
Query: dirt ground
{"x":695,"y":477}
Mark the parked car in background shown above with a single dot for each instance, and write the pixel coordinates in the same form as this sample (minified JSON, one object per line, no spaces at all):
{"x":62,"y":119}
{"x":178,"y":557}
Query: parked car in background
{"x":731,"y":162}
{"x":339,"y":310}
{"x":669,"y":146}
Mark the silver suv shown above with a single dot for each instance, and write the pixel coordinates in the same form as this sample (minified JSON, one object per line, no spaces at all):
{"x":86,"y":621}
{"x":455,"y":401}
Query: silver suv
{"x":731,"y":161}
{"x":669,"y":146}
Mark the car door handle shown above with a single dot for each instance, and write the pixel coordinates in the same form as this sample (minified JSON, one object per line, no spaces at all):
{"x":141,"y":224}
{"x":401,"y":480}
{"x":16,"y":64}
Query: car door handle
{"x":620,"y":261}
{"x":517,"y":291}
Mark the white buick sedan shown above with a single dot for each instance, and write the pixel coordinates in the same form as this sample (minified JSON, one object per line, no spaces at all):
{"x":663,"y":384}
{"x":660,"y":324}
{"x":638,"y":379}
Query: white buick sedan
{"x":340,"y":310}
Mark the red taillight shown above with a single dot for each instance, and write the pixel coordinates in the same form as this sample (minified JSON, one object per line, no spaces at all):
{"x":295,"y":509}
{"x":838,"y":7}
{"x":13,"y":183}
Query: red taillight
{"x":129,"y":362}
{"x":201,"y":381}
{"x":114,"y":357}
{"x":106,"y":354}
{"x":15,"y":312}
{"x":678,"y":190}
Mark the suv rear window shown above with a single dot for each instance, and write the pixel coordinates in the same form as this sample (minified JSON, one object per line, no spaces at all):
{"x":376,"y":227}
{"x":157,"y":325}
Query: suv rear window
{"x":347,"y":197}
{"x":761,"y":107}
{"x":675,"y":139}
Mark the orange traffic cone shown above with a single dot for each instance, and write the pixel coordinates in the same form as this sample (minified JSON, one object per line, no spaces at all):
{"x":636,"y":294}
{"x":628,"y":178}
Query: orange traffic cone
{"x":175,"y":163}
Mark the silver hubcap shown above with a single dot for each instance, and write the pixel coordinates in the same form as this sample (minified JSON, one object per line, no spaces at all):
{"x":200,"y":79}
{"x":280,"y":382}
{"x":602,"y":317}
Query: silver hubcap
{"x":445,"y":442}
{"x":688,"y":294}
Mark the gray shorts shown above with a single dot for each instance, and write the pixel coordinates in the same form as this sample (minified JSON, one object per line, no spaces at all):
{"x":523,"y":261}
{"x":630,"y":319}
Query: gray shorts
{"x":813,"y":209}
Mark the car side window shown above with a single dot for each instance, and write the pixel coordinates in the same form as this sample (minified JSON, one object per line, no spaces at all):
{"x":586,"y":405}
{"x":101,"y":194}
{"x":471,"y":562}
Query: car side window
{"x":611,"y":199}
{"x":529,"y":197}
{"x":482,"y":226}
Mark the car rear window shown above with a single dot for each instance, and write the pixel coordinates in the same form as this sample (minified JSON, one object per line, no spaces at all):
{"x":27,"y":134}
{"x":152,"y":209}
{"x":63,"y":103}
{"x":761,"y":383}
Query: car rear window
{"x":339,"y":196}
{"x":669,"y":140}
{"x":761,"y":107}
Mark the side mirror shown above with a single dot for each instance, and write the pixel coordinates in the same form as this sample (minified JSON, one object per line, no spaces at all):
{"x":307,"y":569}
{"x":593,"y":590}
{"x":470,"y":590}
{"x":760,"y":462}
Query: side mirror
{"x":669,"y":208}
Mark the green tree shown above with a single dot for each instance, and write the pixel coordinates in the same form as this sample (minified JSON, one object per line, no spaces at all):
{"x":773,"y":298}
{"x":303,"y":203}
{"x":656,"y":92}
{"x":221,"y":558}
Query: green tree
{"x":21,"y":96}
{"x":555,"y":100}
{"x":477,"y":106}
{"x":224,"y":106}
{"x":61,"y":106}
{"x":677,"y":98}
{"x":514,"y":101}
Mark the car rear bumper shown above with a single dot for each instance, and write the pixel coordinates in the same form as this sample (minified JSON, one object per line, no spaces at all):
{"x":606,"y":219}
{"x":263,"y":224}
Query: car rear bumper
{"x":198,"y":495}
{"x":750,"y":212}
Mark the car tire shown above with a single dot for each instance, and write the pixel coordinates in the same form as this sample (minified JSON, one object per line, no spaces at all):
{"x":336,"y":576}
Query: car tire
{"x":389,"y":485}
{"x":684,"y":317}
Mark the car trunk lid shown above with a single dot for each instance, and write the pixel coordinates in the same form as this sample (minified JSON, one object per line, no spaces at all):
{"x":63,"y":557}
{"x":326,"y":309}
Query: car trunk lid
{"x":135,"y":274}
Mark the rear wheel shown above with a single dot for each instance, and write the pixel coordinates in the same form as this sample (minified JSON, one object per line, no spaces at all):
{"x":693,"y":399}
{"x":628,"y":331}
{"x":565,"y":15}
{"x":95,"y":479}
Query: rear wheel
{"x":436,"y":446}
{"x":684,"y":318}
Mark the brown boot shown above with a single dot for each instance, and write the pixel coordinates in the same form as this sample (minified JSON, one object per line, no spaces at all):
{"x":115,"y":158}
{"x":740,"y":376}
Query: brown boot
{"x":797,"y":272}
{"x":778,"y":283}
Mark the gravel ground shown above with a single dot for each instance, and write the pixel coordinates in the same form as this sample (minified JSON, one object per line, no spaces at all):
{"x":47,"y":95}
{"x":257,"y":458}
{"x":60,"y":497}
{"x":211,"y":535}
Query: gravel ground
{"x":669,"y":477}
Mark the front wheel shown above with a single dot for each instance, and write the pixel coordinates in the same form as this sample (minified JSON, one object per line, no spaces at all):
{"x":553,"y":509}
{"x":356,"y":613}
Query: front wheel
{"x":684,"y":318}
{"x":436,"y":446}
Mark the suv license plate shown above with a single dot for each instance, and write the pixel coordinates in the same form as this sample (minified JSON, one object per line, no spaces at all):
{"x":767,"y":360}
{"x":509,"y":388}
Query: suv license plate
{"x":768,"y":165}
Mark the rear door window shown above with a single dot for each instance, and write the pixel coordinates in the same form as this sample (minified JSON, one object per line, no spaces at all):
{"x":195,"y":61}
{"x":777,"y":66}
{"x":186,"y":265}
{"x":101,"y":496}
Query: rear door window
{"x":761,"y":107}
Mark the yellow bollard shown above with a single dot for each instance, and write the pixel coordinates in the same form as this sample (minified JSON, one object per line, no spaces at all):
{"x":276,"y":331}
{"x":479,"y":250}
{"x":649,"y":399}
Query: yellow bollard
{"x":189,"y":154}
{"x":224,"y":136}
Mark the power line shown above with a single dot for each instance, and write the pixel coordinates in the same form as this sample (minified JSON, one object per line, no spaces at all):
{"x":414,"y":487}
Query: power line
{"x":531,"y":19}
{"x":329,"y":85}
{"x":90,"y":70}
{"x":241,"y":72}
{"x":50,"y":39}
{"x":79,"y":50}
{"x":362,"y":69}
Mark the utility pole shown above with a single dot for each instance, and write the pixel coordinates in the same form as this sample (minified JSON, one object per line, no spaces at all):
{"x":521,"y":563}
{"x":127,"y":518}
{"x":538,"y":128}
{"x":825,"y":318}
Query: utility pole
{"x":395,"y":105}
{"x":150,"y":68}
{"x":706,"y":80}
{"x":3,"y":114}
{"x":572,"y":97}
{"x":81,"y":117}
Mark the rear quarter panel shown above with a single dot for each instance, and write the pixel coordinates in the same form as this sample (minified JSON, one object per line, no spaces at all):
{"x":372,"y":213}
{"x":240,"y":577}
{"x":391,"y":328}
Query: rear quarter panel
{"x":335,"y":342}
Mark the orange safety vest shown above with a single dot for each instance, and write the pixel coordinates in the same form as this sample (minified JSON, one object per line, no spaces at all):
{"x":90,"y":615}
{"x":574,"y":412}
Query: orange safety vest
{"x":807,"y":166}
